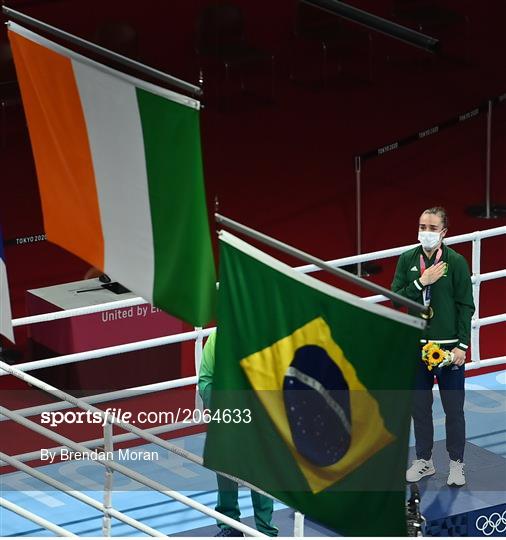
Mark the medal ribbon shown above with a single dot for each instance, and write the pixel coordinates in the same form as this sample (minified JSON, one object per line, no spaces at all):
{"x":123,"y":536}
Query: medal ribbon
{"x":426,"y":292}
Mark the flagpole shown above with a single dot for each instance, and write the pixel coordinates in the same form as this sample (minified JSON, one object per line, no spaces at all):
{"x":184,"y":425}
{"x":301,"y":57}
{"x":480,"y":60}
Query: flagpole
{"x":306,"y":257}
{"x":110,"y":55}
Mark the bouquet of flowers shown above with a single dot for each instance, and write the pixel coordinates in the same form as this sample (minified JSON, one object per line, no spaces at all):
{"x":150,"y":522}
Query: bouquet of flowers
{"x":434,"y":356}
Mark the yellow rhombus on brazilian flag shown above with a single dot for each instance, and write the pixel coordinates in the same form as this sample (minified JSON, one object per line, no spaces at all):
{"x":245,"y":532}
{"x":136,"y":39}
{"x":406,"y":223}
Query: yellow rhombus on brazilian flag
{"x":321,"y":379}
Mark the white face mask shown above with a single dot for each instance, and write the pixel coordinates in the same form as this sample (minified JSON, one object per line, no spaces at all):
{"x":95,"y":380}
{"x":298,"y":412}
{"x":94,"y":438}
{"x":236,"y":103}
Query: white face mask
{"x":429,"y":239}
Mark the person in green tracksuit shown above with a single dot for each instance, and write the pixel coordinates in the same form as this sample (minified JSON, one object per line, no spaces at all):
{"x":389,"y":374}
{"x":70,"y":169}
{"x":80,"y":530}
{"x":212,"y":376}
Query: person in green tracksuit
{"x":438,"y":277}
{"x":228,"y":503}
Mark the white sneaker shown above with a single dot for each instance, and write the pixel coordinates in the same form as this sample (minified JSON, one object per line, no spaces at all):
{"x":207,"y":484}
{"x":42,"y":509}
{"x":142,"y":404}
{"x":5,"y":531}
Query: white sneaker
{"x":456,"y":476}
{"x":419,"y":469}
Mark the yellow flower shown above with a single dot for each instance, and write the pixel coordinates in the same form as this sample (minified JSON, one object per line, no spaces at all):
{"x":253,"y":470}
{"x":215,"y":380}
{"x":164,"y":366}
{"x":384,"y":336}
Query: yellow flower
{"x":433,"y":355}
{"x":436,"y":355}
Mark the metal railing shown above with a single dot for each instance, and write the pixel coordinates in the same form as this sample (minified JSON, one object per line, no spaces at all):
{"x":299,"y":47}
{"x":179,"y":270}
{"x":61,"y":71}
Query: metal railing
{"x":111,"y":465}
{"x":150,"y":435}
{"x":197,"y":335}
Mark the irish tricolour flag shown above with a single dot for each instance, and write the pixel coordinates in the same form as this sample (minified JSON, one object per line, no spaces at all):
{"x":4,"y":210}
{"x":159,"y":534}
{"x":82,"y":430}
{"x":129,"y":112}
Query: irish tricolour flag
{"x":5,"y":303}
{"x":120,"y":174}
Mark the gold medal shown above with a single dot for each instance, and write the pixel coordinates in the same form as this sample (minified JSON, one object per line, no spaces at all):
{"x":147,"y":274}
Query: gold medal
{"x":428,"y":315}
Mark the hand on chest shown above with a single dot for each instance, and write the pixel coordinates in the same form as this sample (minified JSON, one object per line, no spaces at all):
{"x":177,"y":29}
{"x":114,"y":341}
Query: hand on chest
{"x":442,"y":285}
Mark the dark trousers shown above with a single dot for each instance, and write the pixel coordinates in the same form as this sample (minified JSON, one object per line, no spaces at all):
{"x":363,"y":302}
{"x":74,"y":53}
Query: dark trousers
{"x":451,"y":387}
{"x":228,"y":504}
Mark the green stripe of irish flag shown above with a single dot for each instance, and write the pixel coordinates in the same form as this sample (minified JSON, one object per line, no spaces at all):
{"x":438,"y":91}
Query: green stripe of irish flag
{"x":120,"y":173}
{"x":178,"y":212}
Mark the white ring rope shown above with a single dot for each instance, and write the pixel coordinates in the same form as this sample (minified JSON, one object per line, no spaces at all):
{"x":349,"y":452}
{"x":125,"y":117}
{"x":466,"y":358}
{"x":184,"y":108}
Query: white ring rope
{"x":392,"y":252}
{"x":108,"y":351}
{"x":488,"y":276}
{"x":95,"y":443}
{"x":486,"y":363}
{"x":76,"y":312}
{"x":36,"y":519}
{"x":181,"y":383}
{"x":476,"y":279}
{"x":124,"y":425}
{"x":109,"y":396}
{"x":133,"y":432}
{"x":176,"y":338}
{"x":124,"y":437}
{"x":79,"y":495}
{"x":129,"y":473}
{"x":493,"y":319}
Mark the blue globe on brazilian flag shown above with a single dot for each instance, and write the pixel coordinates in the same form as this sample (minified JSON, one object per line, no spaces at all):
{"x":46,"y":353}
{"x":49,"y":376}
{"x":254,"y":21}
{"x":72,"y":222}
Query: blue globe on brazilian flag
{"x":326,"y":416}
{"x":326,"y":377}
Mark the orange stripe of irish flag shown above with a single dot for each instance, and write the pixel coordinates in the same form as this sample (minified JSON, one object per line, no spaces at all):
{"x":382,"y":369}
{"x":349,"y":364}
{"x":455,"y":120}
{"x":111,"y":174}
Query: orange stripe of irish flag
{"x":61,"y":149}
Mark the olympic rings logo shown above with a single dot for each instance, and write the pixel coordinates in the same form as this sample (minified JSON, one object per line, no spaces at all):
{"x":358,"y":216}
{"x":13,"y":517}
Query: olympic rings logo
{"x":491,"y":524}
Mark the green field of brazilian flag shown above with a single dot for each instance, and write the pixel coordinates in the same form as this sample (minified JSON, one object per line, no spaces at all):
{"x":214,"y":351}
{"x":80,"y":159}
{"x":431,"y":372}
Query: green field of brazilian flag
{"x":325,"y":376}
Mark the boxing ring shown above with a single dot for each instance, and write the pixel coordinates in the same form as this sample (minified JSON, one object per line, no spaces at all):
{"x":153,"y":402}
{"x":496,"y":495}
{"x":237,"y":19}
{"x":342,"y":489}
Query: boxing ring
{"x":109,"y":442}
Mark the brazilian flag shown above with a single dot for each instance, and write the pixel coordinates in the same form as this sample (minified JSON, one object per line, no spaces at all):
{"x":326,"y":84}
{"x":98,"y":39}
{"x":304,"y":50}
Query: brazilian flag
{"x":311,"y":393}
